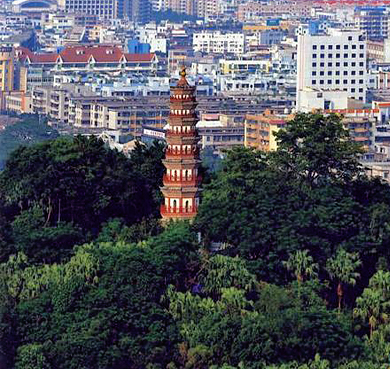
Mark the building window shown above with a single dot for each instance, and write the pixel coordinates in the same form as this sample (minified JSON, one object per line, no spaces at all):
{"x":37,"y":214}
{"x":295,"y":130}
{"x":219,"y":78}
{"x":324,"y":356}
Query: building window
{"x":338,"y":47}
{"x":338,"y":56}
{"x":345,"y":81}
{"x":322,"y":56}
{"x":361,"y":64}
{"x":360,"y":90}
{"x":353,"y":81}
{"x":353,"y":47}
{"x":314,"y":47}
{"x":314,"y":65}
{"x":321,"y":82}
{"x":322,"y":73}
{"x":337,"y":64}
{"x":353,"y":64}
{"x":337,"y":72}
{"x":329,"y":81}
{"x":314,"y":73}
{"x":361,"y":81}
{"x":345,"y":47}
{"x":349,"y":39}
{"x":330,"y":56}
{"x":352,"y":90}
{"x":313,"y":82}
{"x":353,"y":73}
{"x":361,"y":47}
{"x":330,"y":47}
{"x":345,"y":73}
{"x":345,"y":56}
{"x":361,"y":73}
{"x":337,"y":81}
{"x":330,"y":64}
{"x":330,"y":73}
{"x":314,"y":56}
{"x":345,"y":64}
{"x":322,"y":47}
{"x":322,"y":64}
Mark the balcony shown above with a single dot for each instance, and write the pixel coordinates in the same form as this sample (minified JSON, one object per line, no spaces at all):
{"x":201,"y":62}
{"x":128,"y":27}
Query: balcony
{"x":182,"y":181}
{"x":178,"y":211}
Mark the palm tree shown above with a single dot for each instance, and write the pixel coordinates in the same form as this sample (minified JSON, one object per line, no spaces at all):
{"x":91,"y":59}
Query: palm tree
{"x":369,"y":306}
{"x":302,"y":265}
{"x":223,"y":272}
{"x":343,"y":269}
{"x":381,"y":281}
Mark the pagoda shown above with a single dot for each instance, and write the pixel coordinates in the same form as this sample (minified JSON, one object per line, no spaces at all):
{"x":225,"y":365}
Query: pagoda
{"x":181,"y":181}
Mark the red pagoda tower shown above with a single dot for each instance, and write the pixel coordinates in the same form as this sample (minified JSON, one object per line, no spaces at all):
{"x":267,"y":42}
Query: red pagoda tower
{"x":181,"y":181}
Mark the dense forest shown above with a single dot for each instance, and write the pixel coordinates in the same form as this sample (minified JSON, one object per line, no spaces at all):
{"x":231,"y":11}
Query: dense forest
{"x":291,"y":270}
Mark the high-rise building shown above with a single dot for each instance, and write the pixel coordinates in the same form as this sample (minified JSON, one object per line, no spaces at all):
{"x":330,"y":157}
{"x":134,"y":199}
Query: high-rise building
{"x":373,"y":20}
{"x":137,"y":10}
{"x":333,"y":61}
{"x":7,"y":66}
{"x":181,"y":181}
{"x":181,"y":6}
{"x":207,"y":8}
{"x":107,"y":9}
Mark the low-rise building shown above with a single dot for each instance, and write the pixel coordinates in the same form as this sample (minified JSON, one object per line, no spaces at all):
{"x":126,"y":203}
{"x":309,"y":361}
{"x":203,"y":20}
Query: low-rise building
{"x":18,"y":102}
{"x":260,"y":130}
{"x":220,"y":131}
{"x":219,"y":43}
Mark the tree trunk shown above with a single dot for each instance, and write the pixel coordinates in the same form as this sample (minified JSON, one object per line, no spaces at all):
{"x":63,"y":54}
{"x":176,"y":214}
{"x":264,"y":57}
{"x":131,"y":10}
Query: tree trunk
{"x":340,"y":294}
{"x":59,"y":211}
{"x":371,"y":330}
{"x":49,"y":213}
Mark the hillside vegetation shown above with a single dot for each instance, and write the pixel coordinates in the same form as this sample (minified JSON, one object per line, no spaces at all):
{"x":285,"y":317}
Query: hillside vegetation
{"x":90,"y":278}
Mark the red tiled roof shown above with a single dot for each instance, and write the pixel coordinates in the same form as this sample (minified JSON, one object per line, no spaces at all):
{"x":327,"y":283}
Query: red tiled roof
{"x":82,"y":54}
{"x":44,"y":58}
{"x":139,"y":57}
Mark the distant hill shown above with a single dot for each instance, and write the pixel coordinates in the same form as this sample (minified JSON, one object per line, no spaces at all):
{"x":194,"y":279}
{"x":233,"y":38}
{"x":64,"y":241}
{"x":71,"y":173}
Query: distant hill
{"x":28,"y":130}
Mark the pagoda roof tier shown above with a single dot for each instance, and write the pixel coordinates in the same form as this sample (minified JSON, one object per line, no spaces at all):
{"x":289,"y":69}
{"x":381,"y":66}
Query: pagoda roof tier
{"x":182,"y":120}
{"x":181,"y":191}
{"x":173,"y":162}
{"x":183,"y":140}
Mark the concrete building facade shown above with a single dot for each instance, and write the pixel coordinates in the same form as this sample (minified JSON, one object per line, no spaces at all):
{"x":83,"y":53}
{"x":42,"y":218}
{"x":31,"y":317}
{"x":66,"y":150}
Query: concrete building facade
{"x":335,"y":61}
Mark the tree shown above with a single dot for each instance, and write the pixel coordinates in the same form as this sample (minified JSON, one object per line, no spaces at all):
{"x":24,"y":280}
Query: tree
{"x":342,"y":268}
{"x":309,"y":194}
{"x":317,"y":148}
{"x":31,"y":357}
{"x":369,"y":307}
{"x":76,"y":184}
{"x":103,"y":309}
{"x":27,"y":131}
{"x":223,"y":272}
{"x":381,"y":281}
{"x":302,"y":265}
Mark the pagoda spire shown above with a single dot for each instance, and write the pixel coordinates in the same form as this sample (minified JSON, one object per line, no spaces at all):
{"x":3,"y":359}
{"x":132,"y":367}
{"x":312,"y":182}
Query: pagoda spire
{"x":182,"y":180}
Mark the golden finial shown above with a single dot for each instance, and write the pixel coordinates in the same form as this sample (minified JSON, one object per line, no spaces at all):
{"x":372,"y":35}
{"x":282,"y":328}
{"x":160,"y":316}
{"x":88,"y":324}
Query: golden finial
{"x":183,"y":72}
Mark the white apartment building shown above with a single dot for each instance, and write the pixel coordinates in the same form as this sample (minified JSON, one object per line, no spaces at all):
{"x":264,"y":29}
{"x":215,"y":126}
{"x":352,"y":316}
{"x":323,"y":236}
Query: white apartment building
{"x":335,"y":61}
{"x":219,"y":43}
